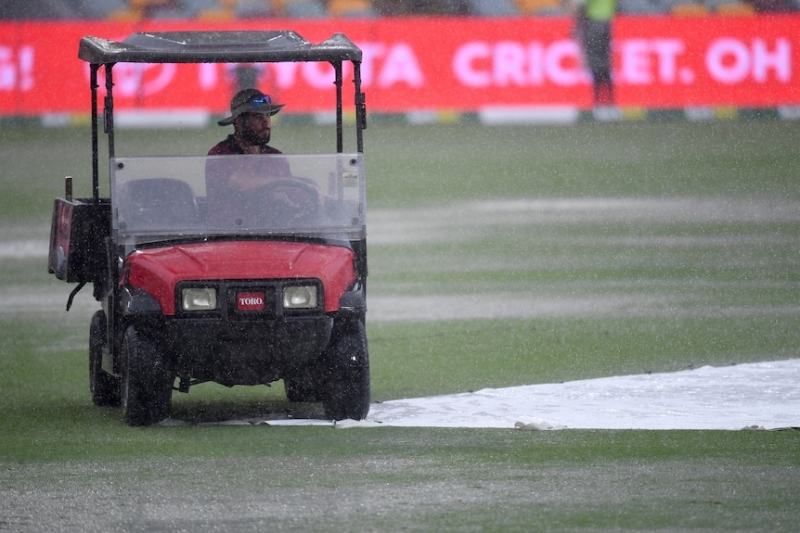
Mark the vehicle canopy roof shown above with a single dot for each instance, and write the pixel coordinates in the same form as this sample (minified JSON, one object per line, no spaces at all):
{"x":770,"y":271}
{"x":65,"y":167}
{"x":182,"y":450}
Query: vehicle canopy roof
{"x":217,"y":47}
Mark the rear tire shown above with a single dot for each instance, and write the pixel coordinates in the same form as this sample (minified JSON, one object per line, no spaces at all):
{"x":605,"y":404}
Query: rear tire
{"x":146,"y":381}
{"x":104,"y":386}
{"x":347,"y":385}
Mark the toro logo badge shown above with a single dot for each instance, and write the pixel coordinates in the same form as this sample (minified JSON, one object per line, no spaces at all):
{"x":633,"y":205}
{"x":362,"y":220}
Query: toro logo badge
{"x":250,"y":301}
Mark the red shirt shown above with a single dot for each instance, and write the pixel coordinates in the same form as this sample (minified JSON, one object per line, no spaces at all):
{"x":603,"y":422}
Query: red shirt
{"x":229,"y":146}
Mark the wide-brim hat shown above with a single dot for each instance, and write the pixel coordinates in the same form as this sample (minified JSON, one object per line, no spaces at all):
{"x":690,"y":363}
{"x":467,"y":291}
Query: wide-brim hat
{"x":250,"y":101}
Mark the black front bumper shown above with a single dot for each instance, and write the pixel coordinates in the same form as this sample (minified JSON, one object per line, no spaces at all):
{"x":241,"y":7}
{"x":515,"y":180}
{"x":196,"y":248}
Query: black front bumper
{"x":244,"y":352}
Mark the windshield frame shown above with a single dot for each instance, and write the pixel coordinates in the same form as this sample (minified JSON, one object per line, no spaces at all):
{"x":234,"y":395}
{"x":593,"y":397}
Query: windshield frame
{"x":166,"y":198}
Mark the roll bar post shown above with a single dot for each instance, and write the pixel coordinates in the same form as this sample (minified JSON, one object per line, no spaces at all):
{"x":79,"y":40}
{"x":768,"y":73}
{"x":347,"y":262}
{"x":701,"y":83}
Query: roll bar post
{"x":108,"y":122}
{"x":361,"y":107}
{"x":93,"y":68}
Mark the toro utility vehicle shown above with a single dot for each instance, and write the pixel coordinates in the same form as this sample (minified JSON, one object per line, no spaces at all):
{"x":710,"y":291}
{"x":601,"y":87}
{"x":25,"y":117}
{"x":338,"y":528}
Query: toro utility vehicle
{"x":270,"y":286}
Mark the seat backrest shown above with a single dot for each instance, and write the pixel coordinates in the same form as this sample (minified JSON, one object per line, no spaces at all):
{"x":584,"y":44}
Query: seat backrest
{"x":157,"y":203}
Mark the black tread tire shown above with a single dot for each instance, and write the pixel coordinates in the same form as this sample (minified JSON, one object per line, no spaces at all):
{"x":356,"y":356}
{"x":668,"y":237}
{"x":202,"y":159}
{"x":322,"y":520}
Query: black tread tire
{"x":347,"y":384}
{"x":103,"y":386}
{"x":146,"y":381}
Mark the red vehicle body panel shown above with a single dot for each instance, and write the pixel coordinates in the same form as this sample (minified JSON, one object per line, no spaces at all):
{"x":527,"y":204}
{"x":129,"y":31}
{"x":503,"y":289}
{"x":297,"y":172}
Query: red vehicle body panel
{"x":157,"y":271}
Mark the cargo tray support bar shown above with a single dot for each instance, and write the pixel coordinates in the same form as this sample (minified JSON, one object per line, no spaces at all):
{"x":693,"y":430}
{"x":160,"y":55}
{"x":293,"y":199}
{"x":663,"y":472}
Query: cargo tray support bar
{"x":75,"y":291}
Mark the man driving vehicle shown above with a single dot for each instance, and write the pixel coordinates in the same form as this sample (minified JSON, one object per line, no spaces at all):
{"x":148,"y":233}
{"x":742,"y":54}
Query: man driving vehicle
{"x":233,"y":185}
{"x":250,"y":115}
{"x":251,"y":112}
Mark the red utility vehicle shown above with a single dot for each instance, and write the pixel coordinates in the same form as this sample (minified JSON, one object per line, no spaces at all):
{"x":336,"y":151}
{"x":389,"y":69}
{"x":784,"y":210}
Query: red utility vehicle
{"x":270,"y":286}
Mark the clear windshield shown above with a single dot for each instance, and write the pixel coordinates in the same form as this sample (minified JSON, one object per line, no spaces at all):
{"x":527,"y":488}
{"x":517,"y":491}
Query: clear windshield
{"x":165,"y":198}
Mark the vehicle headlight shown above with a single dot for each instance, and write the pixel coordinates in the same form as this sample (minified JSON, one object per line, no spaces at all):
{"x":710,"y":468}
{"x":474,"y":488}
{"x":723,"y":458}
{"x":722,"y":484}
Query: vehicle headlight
{"x":300,"y":297}
{"x":199,"y":299}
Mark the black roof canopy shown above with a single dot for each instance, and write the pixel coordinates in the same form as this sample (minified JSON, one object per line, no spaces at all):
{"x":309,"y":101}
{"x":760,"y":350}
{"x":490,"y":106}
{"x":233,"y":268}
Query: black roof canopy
{"x":217,"y":47}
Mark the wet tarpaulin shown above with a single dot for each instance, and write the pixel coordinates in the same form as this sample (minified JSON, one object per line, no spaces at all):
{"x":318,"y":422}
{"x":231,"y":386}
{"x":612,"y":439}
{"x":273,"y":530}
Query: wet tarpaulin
{"x":747,"y":396}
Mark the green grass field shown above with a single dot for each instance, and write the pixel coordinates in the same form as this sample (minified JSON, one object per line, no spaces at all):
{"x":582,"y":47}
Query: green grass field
{"x":716,"y":284}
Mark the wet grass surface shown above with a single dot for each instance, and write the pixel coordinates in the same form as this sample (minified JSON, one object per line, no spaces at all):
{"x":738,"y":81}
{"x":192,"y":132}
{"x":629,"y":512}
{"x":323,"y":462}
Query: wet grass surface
{"x":393,"y":479}
{"x":617,"y":294}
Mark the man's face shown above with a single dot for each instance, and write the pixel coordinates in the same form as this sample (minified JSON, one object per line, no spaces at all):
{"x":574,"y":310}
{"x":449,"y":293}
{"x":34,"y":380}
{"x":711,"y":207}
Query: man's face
{"x":255,"y":128}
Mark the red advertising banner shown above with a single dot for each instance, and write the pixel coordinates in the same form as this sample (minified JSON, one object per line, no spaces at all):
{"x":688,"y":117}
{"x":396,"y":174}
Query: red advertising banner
{"x":462,"y":64}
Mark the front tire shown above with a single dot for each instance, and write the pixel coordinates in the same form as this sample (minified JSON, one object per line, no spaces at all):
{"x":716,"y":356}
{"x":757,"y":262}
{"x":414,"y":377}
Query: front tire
{"x":146,"y":381}
{"x":103,"y":386}
{"x":347,"y":384}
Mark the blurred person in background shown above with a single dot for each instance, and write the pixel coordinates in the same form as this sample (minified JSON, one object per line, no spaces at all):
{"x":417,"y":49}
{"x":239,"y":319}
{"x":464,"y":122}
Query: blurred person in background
{"x":593,"y":31}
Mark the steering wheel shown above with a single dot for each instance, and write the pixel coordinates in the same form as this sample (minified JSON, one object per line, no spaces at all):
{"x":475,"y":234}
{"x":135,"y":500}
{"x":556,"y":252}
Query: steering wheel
{"x":284,"y":203}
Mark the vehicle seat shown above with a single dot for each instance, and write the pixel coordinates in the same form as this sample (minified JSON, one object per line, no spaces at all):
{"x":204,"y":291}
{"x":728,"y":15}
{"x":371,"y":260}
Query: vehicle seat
{"x":157,"y":203}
